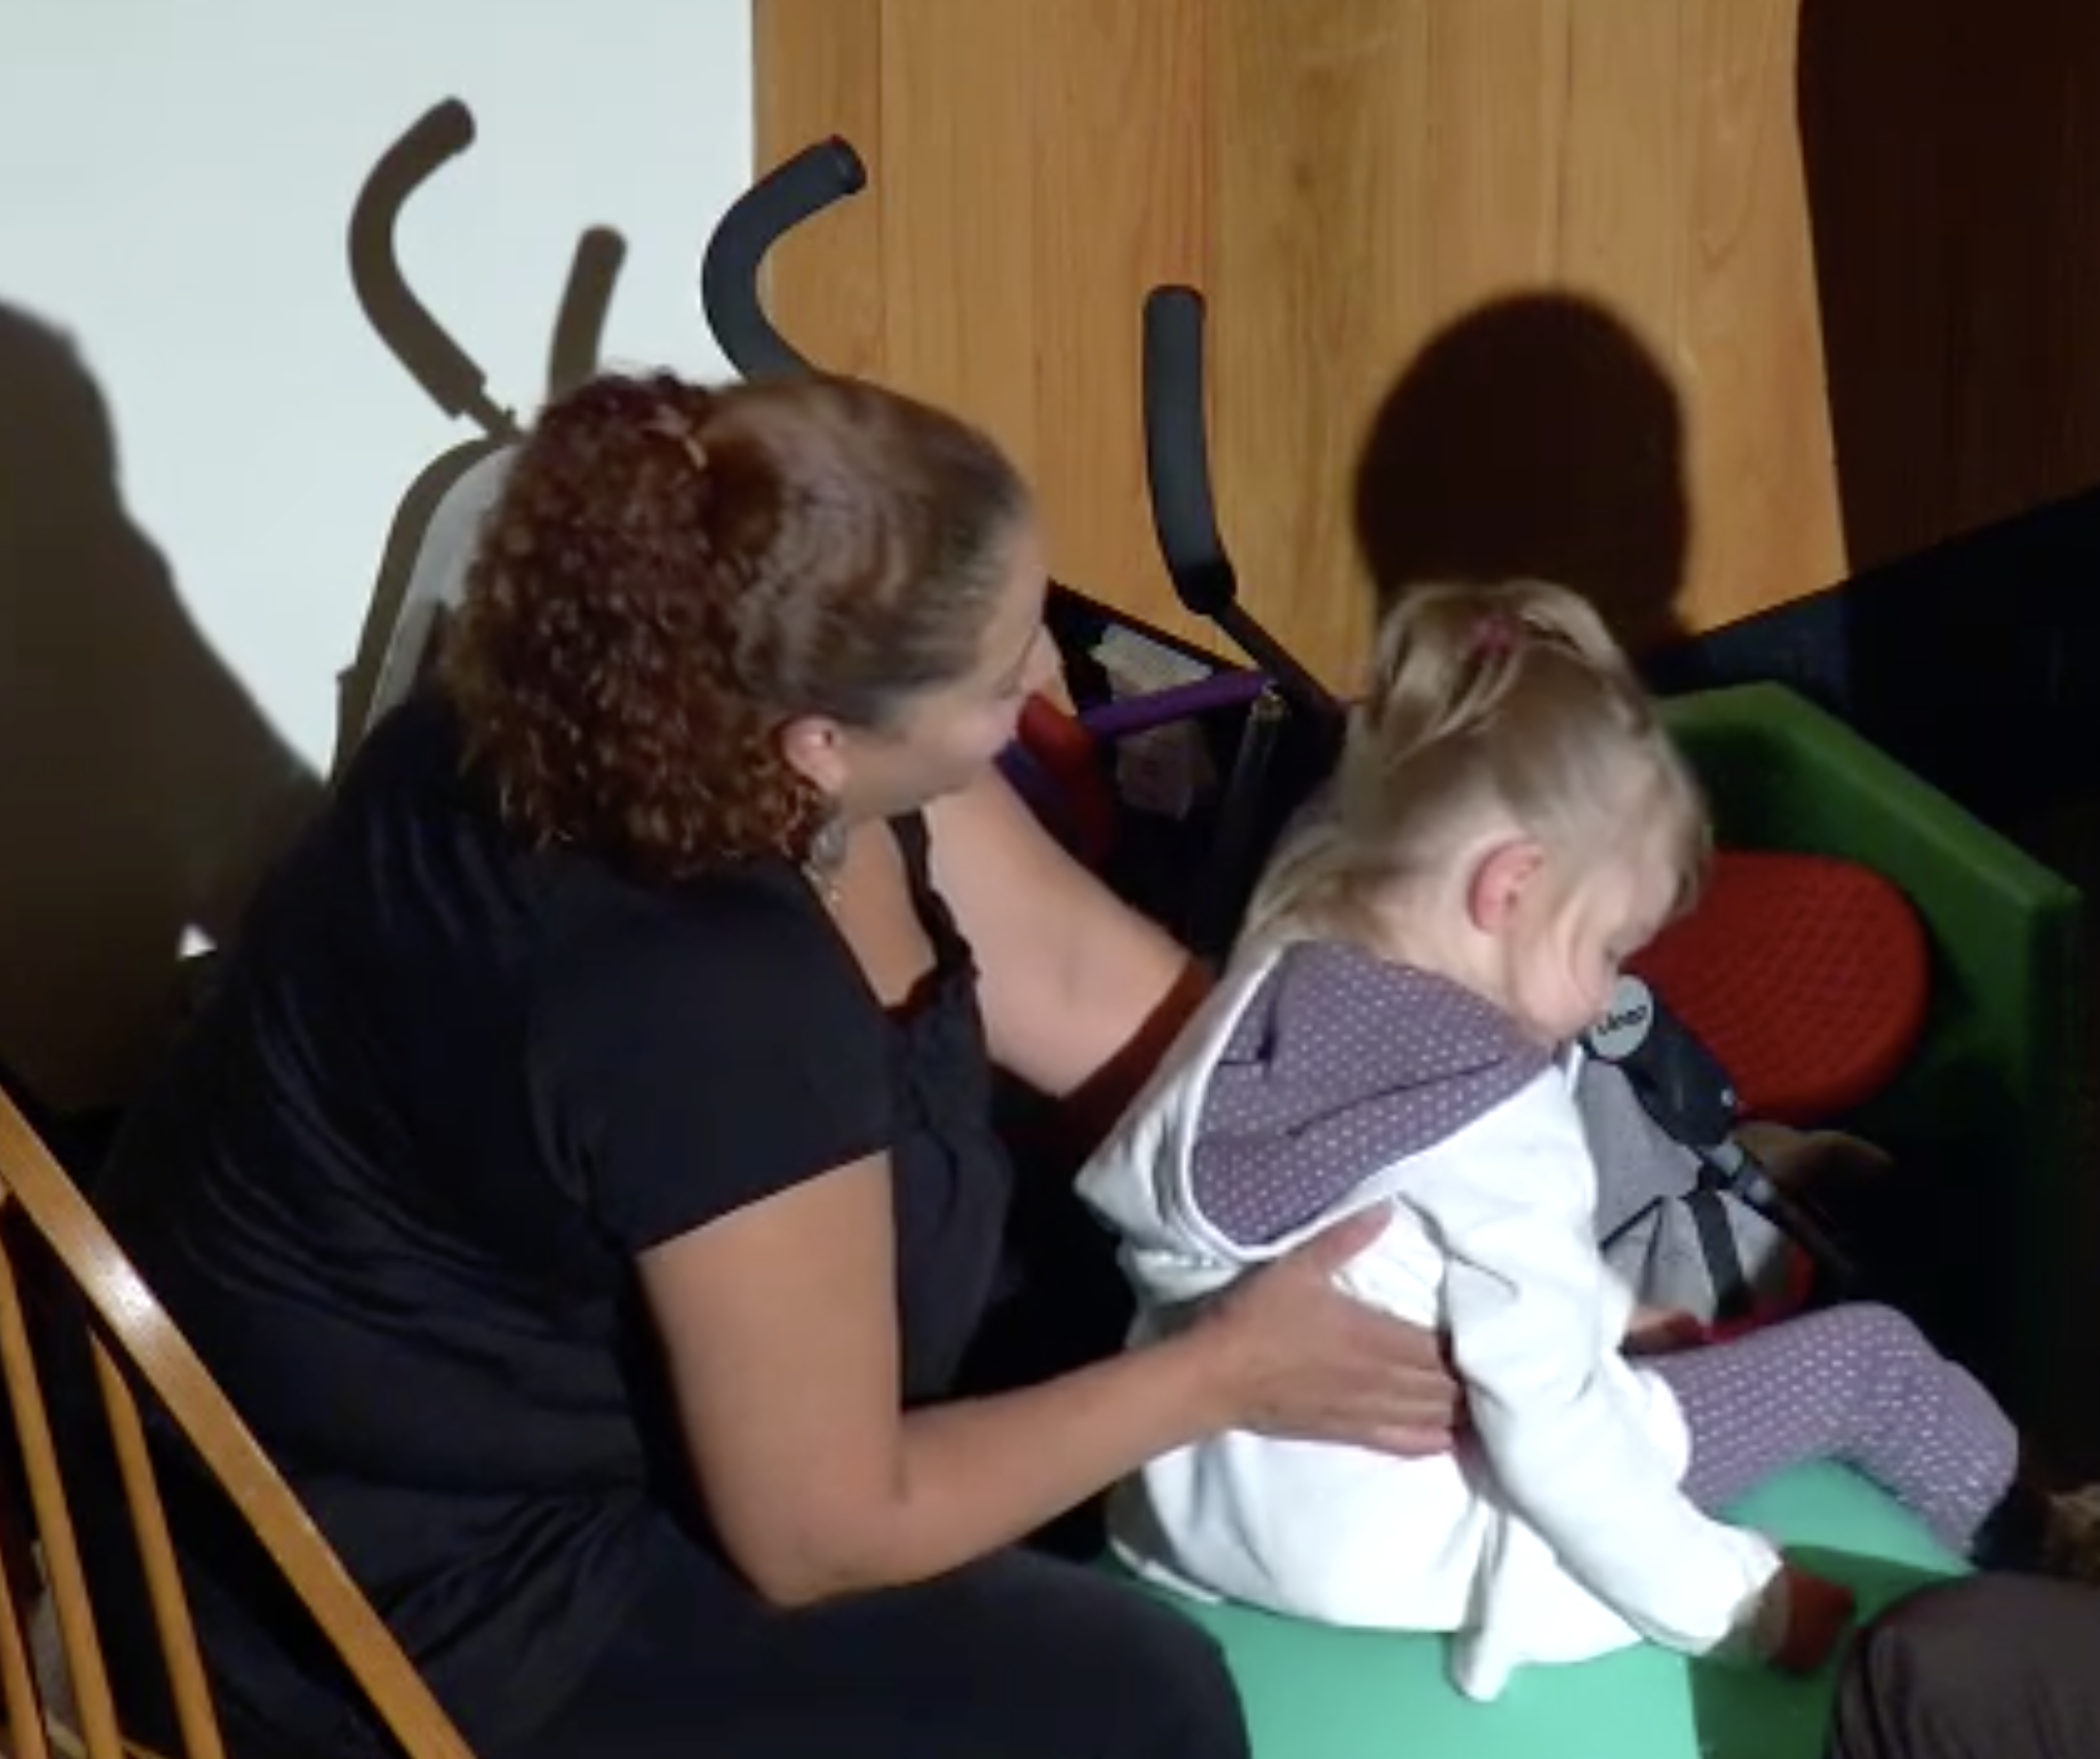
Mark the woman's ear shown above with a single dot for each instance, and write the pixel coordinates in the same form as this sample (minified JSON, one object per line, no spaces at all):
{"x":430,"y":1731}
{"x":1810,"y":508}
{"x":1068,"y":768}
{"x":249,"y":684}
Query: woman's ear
{"x":1501,"y":875}
{"x":814,"y":747}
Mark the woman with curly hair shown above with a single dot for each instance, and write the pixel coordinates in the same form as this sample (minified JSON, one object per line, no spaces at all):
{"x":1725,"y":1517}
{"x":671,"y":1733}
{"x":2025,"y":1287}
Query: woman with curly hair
{"x":585,"y":1181}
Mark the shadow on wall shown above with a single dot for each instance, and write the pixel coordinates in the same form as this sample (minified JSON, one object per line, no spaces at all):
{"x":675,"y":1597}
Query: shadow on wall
{"x":1537,"y":435}
{"x":1951,"y":156}
{"x":454,"y":381}
{"x":141,"y":790}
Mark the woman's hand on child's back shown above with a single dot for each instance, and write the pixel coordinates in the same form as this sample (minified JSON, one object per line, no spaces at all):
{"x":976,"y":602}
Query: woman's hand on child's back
{"x":1300,"y":1359}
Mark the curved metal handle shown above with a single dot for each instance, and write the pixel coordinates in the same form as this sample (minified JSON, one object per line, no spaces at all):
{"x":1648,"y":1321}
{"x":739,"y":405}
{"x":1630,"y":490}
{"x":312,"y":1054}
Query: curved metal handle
{"x":419,"y":341}
{"x":792,"y":192}
{"x":1184,"y":517}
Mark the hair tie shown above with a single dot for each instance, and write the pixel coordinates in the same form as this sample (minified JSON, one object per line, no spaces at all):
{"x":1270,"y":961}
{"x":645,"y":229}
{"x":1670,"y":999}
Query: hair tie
{"x":1496,"y":635}
{"x":674,"y":426}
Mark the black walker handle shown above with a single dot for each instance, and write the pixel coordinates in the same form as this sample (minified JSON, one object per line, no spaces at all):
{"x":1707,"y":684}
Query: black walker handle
{"x":1184,"y":516}
{"x":790,"y":193}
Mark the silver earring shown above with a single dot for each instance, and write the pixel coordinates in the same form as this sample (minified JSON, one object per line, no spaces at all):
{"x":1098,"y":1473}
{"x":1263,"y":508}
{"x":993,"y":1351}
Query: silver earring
{"x":825,"y":857}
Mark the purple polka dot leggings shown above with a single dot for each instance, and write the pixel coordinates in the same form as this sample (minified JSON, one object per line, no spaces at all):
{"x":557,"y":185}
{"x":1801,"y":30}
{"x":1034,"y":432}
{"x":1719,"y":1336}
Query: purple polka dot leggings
{"x":1857,"y":1384}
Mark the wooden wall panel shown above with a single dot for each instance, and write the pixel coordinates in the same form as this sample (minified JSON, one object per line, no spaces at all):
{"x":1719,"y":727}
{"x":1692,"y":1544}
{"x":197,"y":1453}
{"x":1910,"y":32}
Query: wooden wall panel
{"x":1749,"y":337}
{"x":1627,"y":520}
{"x":1033,"y":172}
{"x":955,"y":189}
{"x":1122,"y":181}
{"x":818,"y":72}
{"x":1496,"y":285}
{"x":1496,"y":134}
{"x":1321,"y":197}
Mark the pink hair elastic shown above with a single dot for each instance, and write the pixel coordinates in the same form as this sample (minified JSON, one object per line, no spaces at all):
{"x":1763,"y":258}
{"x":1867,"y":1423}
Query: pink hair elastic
{"x":1495,"y":635}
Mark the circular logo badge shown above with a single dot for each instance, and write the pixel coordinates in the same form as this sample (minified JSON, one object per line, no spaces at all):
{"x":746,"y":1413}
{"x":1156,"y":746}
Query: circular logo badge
{"x":1625,"y":1022}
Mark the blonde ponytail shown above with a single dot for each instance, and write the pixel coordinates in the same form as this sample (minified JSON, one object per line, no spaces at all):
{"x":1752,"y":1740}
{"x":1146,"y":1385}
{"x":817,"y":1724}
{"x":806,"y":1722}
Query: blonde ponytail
{"x":1510,"y":697}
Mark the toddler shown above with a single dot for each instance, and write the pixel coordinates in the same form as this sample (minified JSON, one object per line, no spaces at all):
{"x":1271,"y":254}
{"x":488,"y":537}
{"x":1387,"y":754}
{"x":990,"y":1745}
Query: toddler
{"x":1398,"y":1027}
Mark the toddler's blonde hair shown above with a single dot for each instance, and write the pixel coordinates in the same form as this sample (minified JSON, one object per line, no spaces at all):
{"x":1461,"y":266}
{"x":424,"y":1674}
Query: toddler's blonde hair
{"x":1510,"y":697}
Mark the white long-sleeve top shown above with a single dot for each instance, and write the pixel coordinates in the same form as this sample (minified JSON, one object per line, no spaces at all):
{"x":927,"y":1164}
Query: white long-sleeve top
{"x":1557,"y":1530}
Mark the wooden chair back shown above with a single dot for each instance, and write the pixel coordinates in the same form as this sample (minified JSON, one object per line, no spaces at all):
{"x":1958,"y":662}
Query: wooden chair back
{"x":133,"y":1345}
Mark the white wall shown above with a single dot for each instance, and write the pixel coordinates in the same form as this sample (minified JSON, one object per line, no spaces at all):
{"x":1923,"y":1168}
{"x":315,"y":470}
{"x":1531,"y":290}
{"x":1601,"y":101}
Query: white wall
{"x":176,"y":181}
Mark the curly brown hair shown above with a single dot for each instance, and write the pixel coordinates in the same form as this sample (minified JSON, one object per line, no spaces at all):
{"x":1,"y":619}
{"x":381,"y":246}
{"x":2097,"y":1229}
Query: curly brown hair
{"x":673,"y":573}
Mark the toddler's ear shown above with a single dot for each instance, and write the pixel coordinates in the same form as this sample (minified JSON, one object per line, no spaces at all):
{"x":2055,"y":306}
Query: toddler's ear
{"x":1500,"y":878}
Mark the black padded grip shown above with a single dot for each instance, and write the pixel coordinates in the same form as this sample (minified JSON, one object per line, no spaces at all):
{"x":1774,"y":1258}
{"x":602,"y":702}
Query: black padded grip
{"x":792,"y":192}
{"x":1177,"y":453}
{"x":1184,"y":517}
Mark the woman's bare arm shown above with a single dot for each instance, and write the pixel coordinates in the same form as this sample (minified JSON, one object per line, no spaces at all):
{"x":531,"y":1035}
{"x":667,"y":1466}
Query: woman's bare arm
{"x":1081,"y":994}
{"x":779,"y":1328}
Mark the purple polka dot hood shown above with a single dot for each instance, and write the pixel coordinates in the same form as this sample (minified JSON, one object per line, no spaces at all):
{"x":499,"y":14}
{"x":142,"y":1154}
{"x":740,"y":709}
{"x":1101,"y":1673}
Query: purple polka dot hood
{"x":1337,"y":1065}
